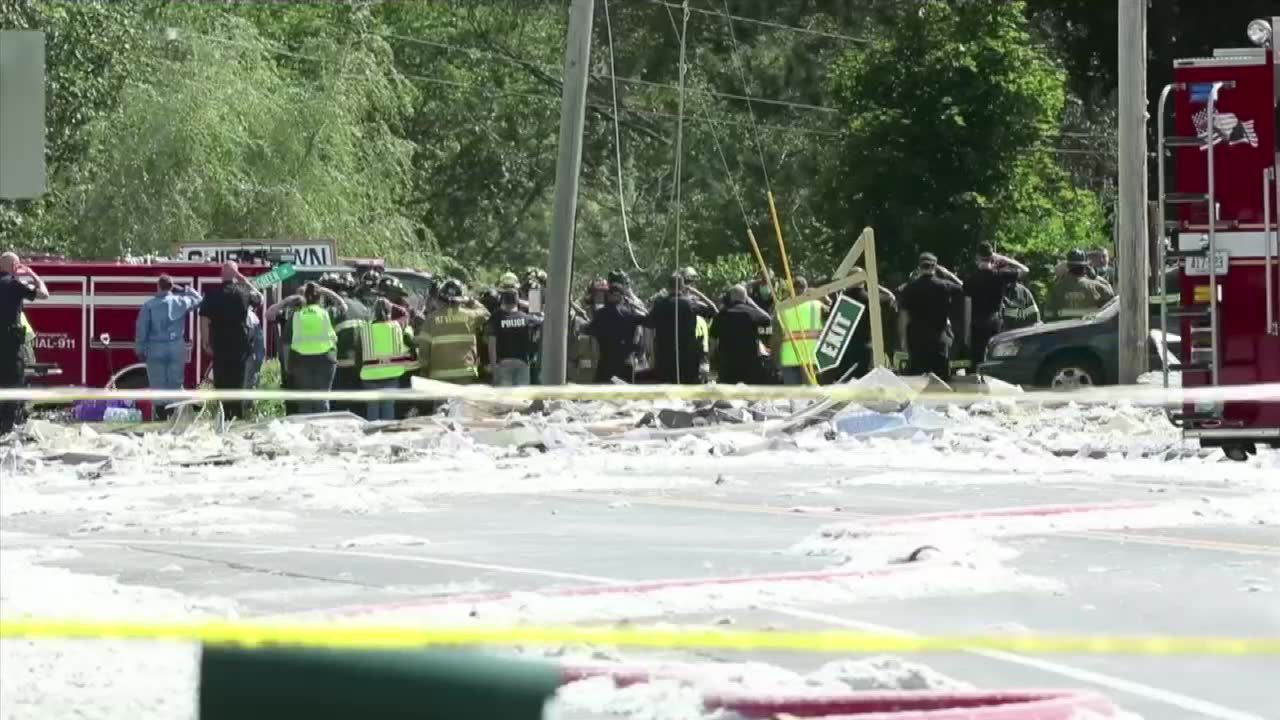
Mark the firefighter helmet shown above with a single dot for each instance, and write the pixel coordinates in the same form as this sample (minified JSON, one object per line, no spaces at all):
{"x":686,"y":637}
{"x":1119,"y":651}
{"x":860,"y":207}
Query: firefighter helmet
{"x":619,"y":277}
{"x":390,"y":286}
{"x":1076,"y":256}
{"x":369,"y":280}
{"x":453,"y":291}
{"x":690,"y":276}
{"x":508,"y":280}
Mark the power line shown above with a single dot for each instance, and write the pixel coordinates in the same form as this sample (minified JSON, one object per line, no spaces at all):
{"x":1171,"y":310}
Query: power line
{"x":606,"y":76}
{"x":714,"y":93}
{"x":764,"y":23}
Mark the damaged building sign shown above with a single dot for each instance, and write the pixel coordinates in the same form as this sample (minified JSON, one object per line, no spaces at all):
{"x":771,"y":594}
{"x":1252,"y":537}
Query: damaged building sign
{"x":836,"y":334}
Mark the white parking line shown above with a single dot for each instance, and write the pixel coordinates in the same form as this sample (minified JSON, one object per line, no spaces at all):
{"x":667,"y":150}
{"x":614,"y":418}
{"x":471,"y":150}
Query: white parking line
{"x":399,"y":557}
{"x":1160,"y":695}
{"x":1155,"y":694}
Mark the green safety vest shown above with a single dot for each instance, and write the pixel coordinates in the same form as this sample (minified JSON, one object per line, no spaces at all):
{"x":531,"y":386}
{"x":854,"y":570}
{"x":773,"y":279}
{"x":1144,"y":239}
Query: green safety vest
{"x":313,"y":332}
{"x":801,"y":325}
{"x":29,"y":334}
{"x":385,"y":352}
{"x":702,"y":331}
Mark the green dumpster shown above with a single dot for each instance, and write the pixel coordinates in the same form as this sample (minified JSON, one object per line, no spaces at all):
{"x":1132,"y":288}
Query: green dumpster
{"x":279,"y":683}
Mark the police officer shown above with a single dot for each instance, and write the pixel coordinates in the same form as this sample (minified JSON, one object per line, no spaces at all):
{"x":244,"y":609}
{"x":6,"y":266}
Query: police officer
{"x":678,"y":350}
{"x":1075,"y":294}
{"x":511,"y":333}
{"x":796,"y":337}
{"x":385,"y":358}
{"x":925,"y":306}
{"x":615,"y":327}
{"x":985,"y":291}
{"x":14,"y":292}
{"x":741,"y":332}
{"x":313,"y":341}
{"x":447,"y":347}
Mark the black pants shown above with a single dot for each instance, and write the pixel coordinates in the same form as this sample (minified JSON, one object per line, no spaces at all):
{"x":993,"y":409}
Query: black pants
{"x":609,"y":368}
{"x":980,"y":334}
{"x":348,"y":378}
{"x":929,"y":356}
{"x":749,"y":371}
{"x":228,"y":374}
{"x":312,"y":372}
{"x":12,"y":375}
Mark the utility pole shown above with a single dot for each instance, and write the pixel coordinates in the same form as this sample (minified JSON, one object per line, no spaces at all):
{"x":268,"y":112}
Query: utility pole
{"x":1131,"y":247}
{"x":573,"y":106}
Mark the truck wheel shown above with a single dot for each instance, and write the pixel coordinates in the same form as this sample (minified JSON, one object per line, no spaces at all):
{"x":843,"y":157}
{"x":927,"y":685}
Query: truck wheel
{"x":132,"y":381}
{"x":1070,"y":372}
{"x":1239,"y":452}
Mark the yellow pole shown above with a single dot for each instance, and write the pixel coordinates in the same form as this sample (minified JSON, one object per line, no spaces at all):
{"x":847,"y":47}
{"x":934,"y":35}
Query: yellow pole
{"x":764,"y":269}
{"x":810,"y":372}
{"x":782,"y":246}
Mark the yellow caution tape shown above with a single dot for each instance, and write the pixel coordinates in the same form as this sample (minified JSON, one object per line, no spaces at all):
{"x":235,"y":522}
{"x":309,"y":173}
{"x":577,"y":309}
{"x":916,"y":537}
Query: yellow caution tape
{"x":1137,"y":394}
{"x":835,"y":641}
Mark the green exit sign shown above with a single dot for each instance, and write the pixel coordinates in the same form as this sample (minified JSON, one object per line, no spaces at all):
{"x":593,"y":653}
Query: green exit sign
{"x":275,"y":276}
{"x":836,"y":334}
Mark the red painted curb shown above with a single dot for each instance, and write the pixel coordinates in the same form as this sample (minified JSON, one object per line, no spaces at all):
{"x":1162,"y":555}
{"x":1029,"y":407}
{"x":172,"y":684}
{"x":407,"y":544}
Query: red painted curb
{"x":1022,"y":511}
{"x":871,"y":705}
{"x":626,"y":589}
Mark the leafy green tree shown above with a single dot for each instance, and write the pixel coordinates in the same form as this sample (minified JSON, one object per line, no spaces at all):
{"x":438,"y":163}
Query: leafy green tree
{"x":952,"y":114}
{"x":221,"y":141}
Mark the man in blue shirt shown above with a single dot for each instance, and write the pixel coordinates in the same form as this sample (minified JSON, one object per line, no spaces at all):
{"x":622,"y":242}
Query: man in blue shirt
{"x":159,"y":339}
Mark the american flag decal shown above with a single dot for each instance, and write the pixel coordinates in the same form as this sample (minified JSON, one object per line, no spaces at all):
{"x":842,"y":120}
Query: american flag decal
{"x":1226,"y":126}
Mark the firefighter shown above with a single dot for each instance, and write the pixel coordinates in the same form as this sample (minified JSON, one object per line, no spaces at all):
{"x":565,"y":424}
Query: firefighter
{"x":352,"y":327}
{"x":158,"y":336}
{"x":313,"y":344}
{"x":385,"y":358}
{"x":14,"y":293}
{"x":795,"y":338}
{"x":925,"y":307}
{"x":1075,"y":294}
{"x":29,"y":346}
{"x":447,"y":345}
{"x":1019,"y":309}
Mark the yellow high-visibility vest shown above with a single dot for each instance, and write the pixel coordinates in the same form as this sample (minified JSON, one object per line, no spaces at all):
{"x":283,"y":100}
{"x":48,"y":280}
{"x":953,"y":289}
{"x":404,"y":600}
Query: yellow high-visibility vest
{"x":313,"y":332}
{"x":385,"y":352}
{"x":801,"y":325}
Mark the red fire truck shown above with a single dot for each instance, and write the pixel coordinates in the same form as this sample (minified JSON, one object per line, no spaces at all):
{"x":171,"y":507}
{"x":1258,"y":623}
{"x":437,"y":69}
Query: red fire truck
{"x":84,"y":332}
{"x":1222,"y":234}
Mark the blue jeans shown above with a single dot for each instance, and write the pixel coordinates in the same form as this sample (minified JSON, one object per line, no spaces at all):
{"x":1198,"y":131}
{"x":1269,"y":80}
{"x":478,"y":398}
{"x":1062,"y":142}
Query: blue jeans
{"x":166,"y":366}
{"x":312,"y":372}
{"x":794,"y":375}
{"x":382,"y":409}
{"x":511,"y":375}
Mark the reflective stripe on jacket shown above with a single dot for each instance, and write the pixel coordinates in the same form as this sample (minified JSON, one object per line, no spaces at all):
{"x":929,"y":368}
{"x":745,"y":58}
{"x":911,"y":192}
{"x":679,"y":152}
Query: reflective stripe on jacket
{"x":385,"y":354}
{"x":313,"y":332}
{"x":801,"y":325}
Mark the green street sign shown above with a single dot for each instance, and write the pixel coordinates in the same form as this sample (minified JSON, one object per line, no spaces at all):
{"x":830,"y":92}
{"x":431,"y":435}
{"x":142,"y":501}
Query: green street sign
{"x":834,"y":340}
{"x":275,"y":276}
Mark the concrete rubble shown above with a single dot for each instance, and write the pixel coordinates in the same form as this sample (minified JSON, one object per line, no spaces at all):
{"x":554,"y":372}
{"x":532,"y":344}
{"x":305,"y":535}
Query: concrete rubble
{"x":996,"y":425}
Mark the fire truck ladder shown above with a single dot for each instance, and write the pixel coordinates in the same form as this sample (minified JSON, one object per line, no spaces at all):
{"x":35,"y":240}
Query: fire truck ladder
{"x":1204,"y":355}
